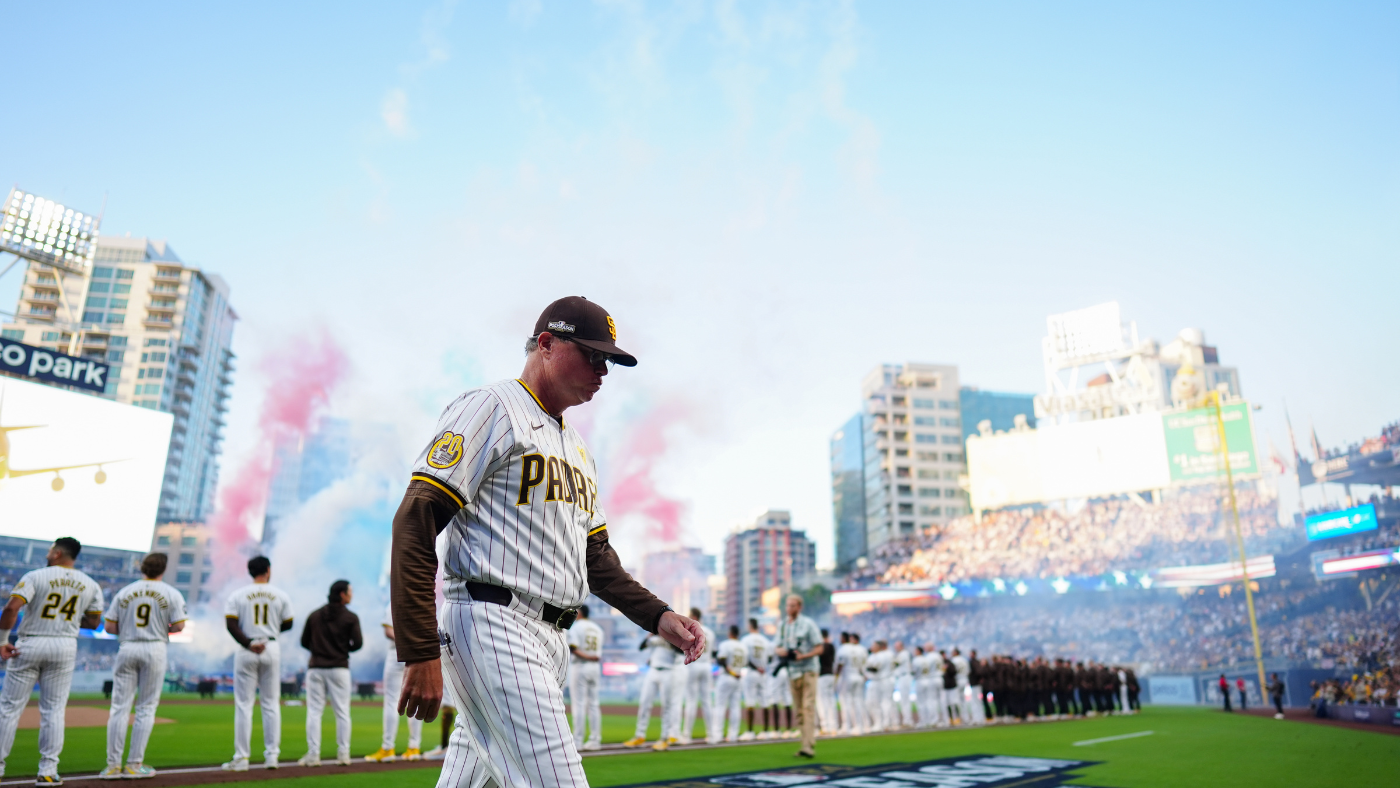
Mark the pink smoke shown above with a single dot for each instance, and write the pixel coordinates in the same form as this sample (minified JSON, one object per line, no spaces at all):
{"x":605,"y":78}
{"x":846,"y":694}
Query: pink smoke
{"x":300,"y":378}
{"x":633,"y":490}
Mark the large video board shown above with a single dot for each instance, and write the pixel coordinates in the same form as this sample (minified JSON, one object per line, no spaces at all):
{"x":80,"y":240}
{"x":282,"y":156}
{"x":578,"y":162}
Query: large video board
{"x":77,"y":465}
{"x":1341,"y":523}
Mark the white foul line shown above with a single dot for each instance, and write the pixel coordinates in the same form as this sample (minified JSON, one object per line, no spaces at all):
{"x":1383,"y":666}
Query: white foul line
{"x":1087,"y":742}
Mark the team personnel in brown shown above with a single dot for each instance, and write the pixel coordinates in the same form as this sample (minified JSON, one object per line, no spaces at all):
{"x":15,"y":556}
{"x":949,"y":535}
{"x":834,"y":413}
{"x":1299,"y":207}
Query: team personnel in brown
{"x":516,"y":489}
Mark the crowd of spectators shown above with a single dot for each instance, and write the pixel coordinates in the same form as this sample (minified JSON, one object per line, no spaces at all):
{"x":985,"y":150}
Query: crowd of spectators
{"x":1373,"y":688}
{"x":1192,"y":526}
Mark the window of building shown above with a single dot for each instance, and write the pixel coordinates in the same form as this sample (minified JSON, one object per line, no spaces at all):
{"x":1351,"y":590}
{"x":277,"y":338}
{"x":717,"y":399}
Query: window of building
{"x":154,"y":342}
{"x":163,"y":541}
{"x":164,"y":287}
{"x":50,"y":336}
{"x":115,"y":356}
{"x":117,"y":341}
{"x":182,"y":577}
{"x":203,"y":577}
{"x":100,"y":287}
{"x":117,"y":303}
{"x":124,"y":273}
{"x":906,"y":508}
{"x":102,"y":272}
{"x":953,"y":457}
{"x":948,"y":404}
{"x":17,"y":334}
{"x":901,"y":437}
{"x":930,"y":511}
{"x":923,"y":437}
{"x":186,"y":559}
{"x":153,"y":357}
{"x":119,"y":289}
{"x":906,"y":525}
{"x":952,"y":440}
{"x":902,"y":473}
{"x":926,"y":421}
{"x":901,"y":452}
{"x":950,"y":421}
{"x":905,"y":489}
{"x":950,"y":493}
{"x":928,"y":492}
{"x":189,"y":541}
{"x":116,"y":317}
{"x":928,"y":473}
{"x":897,"y":402}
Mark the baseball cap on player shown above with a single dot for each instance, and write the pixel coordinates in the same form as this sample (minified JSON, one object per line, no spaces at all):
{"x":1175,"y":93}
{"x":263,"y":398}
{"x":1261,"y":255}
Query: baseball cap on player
{"x":580,"y":320}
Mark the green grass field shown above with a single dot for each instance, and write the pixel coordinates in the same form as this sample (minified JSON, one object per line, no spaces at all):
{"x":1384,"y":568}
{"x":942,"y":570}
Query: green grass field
{"x":1190,"y":747}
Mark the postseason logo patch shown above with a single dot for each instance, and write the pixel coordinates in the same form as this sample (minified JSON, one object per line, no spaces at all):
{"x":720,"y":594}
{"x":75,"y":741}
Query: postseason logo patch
{"x":967,"y":771}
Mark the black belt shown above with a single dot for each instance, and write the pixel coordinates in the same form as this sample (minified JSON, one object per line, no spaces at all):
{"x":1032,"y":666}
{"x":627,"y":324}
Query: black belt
{"x":561,"y":618}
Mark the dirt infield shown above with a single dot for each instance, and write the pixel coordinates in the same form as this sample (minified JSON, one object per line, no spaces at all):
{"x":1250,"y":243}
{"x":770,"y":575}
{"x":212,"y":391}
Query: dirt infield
{"x":75,"y":717}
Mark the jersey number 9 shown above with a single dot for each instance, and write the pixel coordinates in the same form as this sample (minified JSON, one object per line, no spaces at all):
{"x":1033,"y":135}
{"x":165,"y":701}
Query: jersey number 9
{"x":55,"y":601}
{"x":143,"y":615}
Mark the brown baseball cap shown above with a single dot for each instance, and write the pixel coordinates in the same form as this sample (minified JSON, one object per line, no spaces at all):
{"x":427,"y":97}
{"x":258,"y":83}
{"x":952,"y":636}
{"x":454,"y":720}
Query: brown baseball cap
{"x":580,"y":320}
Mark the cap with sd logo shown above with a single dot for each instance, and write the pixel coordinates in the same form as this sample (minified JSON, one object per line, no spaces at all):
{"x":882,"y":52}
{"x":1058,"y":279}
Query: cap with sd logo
{"x":582,"y":321}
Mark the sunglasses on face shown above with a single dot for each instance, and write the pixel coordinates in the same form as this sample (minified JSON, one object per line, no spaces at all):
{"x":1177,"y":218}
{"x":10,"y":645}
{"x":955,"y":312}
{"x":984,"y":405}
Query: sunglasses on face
{"x":595,"y":357}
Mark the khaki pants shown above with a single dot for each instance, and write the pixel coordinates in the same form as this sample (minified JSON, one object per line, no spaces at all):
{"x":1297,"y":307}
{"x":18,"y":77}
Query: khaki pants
{"x":804,"y":701}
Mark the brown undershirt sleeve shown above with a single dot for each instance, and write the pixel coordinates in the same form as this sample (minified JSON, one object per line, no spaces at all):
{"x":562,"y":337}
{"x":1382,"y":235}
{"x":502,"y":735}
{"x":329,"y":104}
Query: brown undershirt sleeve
{"x":426,"y":510}
{"x":611,"y":583}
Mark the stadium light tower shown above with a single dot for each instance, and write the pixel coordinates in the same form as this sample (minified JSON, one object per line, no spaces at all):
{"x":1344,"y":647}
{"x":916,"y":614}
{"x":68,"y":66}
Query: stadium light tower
{"x":53,"y":235}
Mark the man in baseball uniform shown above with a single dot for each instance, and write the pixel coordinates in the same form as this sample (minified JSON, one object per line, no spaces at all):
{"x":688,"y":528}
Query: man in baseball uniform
{"x":512,"y":482}
{"x":758,"y":651}
{"x":255,"y":615}
{"x":728,"y":703}
{"x":696,"y":695}
{"x":657,"y":685}
{"x":902,"y":676}
{"x":57,"y":600}
{"x":930,"y":689}
{"x":393,"y":683}
{"x":142,"y":616}
{"x":879,"y":694}
{"x":585,"y":674}
{"x":850,"y":673}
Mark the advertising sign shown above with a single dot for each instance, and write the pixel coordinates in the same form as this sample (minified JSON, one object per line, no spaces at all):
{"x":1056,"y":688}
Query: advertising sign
{"x":1193,"y":443}
{"x":77,"y":465}
{"x":52,"y":366}
{"x":1172,"y":690}
{"x":1341,"y":523}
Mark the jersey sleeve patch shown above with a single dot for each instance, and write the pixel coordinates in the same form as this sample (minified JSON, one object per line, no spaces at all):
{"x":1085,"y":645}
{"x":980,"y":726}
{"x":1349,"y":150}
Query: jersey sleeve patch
{"x":446,"y":451}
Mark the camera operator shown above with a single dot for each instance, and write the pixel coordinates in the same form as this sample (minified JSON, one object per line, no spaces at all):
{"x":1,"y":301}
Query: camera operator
{"x":800,"y":643}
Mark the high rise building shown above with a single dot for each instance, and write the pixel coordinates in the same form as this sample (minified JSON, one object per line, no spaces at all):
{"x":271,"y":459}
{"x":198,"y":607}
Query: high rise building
{"x":764,"y":556}
{"x":305,"y":465}
{"x":165,"y":327}
{"x":848,"y":491}
{"x":998,"y":408}
{"x":912,"y":450}
{"x":190,"y":547}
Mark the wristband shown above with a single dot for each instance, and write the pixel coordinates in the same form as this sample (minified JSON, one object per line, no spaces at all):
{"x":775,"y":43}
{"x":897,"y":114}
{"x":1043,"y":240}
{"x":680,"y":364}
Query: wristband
{"x":4,"y":636}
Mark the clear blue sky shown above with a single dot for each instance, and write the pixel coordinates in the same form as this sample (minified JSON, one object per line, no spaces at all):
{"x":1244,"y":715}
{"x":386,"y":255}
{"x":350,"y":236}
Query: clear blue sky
{"x":771,"y":197}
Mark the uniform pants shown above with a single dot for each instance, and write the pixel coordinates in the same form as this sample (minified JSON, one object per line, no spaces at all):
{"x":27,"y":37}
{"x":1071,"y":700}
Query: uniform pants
{"x":257,"y":674}
{"x":804,"y":702}
{"x":1123,"y":704}
{"x":393,"y":687}
{"x":975,"y":707}
{"x":952,"y":701}
{"x":931,"y":711}
{"x":696,"y":695}
{"x":889,"y":713}
{"x":752,"y":683}
{"x":874,"y":709}
{"x":656,"y":685}
{"x":507,"y":669}
{"x":48,"y":661}
{"x":671,"y":705}
{"x":727,"y":705}
{"x":333,"y":685}
{"x":904,"y":685}
{"x":853,"y":716}
{"x":584,"y":678}
{"x":826,"y":703}
{"x":139,"y":672}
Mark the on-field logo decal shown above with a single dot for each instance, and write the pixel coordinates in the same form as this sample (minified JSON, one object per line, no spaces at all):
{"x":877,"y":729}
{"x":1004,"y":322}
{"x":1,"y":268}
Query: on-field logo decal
{"x":964,"y":771}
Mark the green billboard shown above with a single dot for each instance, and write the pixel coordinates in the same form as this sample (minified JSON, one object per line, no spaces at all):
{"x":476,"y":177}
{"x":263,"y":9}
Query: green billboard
{"x":1193,"y":443}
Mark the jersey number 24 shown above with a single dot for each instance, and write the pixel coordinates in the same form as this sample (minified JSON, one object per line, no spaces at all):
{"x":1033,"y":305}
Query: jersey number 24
{"x":55,"y":602}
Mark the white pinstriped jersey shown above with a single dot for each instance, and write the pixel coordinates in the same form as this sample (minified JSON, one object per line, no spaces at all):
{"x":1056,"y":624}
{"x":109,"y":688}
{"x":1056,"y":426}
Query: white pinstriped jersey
{"x":900,"y":664}
{"x":528,"y":491}
{"x":55,"y":600}
{"x":260,"y":609}
{"x":735,"y":656}
{"x":145,"y":610}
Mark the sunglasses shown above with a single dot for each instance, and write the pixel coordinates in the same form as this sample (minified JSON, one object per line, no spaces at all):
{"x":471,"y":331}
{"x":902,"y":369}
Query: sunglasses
{"x":595,"y":357}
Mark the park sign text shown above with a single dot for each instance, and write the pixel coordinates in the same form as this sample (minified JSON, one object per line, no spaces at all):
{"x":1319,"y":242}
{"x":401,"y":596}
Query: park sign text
{"x":50,"y":366}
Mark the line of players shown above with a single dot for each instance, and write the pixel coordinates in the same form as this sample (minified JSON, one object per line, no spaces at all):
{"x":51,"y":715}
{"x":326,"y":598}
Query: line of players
{"x":859,"y":690}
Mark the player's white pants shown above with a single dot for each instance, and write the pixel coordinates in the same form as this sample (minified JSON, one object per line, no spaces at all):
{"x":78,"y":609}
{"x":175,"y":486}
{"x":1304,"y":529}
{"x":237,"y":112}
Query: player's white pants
{"x":697,"y":699}
{"x":966,"y":702}
{"x":259,"y":674}
{"x":873,"y":710}
{"x":777,"y":691}
{"x":853,"y":716}
{"x":657,"y":684}
{"x":753,"y":686}
{"x":48,"y":661}
{"x":584,"y":678}
{"x":507,"y":669}
{"x":826,"y":703}
{"x":333,"y":685}
{"x":139,"y":672}
{"x":727,"y":705}
{"x":1123,"y":699}
{"x":904,"y":685}
{"x":979,"y":711}
{"x":393,"y":688}
{"x":931,"y":709}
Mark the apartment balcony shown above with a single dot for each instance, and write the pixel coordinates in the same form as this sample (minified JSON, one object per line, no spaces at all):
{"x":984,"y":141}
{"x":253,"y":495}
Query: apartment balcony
{"x":154,"y":320}
{"x":180,"y":409}
{"x":168,"y":274}
{"x":184,"y":376}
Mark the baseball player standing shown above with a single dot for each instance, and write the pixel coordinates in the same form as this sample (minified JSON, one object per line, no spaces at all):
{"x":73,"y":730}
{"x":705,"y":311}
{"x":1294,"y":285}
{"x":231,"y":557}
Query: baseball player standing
{"x":902,"y":676}
{"x":57,"y":601}
{"x":585,"y":675}
{"x":393,"y":683}
{"x":758,"y":651}
{"x":658,"y":684}
{"x":255,"y":615}
{"x":879,"y":694}
{"x":728,"y":704}
{"x":696,"y":694}
{"x":850,"y":673}
{"x":142,"y":616}
{"x":513,"y":483}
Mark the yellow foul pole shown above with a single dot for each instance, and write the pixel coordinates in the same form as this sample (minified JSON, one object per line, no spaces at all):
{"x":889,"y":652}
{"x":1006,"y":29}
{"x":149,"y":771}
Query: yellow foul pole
{"x":1214,"y":397}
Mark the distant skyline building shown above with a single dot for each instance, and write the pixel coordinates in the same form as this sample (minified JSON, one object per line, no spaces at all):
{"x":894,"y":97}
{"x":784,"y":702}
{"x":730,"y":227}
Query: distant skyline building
{"x":165,"y":328}
{"x":680,"y":577}
{"x":997,"y":407}
{"x":767,"y":555}
{"x":303,"y":466}
{"x":848,"y":491}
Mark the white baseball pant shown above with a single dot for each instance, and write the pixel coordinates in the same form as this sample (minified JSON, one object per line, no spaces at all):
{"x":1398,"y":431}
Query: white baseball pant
{"x":139,"y":672}
{"x":826,"y":703}
{"x":889,"y":713}
{"x":752,"y":684}
{"x":393,"y":688}
{"x":672,"y":703}
{"x":727,"y":706}
{"x":507,"y":668}
{"x":48,"y":661}
{"x":967,"y":712}
{"x":656,"y":685}
{"x":584,"y":678}
{"x":874,"y":719}
{"x":979,"y":711}
{"x":697,"y":699}
{"x":333,"y":685}
{"x":853,"y":716}
{"x":257,"y":674}
{"x":778,"y":690}
{"x":904,"y":685}
{"x":931,"y":711}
